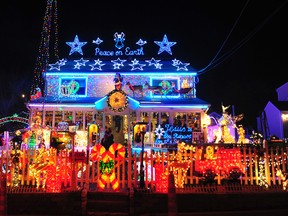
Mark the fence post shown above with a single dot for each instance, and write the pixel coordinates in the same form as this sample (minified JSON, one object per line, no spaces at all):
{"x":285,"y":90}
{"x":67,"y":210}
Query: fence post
{"x":3,"y":196}
{"x":267,"y":167}
{"x":84,"y":199}
{"x":172,"y":205}
{"x":131,"y":201}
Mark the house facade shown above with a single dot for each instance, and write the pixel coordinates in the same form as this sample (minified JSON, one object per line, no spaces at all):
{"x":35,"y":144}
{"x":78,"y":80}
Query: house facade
{"x":117,"y":89}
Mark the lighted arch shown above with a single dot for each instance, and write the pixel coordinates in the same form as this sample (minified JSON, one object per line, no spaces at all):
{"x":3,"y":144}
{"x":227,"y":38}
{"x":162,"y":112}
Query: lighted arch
{"x":14,"y":118}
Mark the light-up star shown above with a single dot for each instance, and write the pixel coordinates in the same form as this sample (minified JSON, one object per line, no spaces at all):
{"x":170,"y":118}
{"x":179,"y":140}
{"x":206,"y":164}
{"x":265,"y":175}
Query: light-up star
{"x":159,"y":131}
{"x":165,"y":45}
{"x":76,"y":46}
{"x":62,"y":62}
{"x":135,"y":65}
{"x":158,"y":66}
{"x":55,"y":66}
{"x":80,"y":62}
{"x":175,"y":62}
{"x":182,"y":66}
{"x":97,"y":65}
{"x":97,"y":41}
{"x":152,"y":61}
{"x":77,"y":66}
{"x":117,"y":63}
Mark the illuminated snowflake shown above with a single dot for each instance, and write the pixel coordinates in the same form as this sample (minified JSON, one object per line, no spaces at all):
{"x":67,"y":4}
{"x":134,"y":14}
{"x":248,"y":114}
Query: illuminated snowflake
{"x":159,"y":131}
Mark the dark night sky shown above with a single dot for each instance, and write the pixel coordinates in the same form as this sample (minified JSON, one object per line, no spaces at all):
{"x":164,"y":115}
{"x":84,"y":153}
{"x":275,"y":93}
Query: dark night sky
{"x":249,"y":43}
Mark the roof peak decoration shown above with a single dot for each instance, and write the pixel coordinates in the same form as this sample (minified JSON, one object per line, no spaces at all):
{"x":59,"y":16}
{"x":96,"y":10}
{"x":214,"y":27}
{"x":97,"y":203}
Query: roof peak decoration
{"x":119,"y":39}
{"x":121,"y":49}
{"x":165,"y":45}
{"x":76,"y":46}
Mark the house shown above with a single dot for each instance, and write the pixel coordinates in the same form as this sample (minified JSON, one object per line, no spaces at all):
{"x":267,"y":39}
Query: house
{"x":273,"y":121}
{"x":118,"y":88}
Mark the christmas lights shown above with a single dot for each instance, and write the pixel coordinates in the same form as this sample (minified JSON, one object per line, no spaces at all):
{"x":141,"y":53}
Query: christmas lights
{"x":165,"y":45}
{"x":97,"y":65}
{"x":76,"y":46}
{"x":136,"y":65}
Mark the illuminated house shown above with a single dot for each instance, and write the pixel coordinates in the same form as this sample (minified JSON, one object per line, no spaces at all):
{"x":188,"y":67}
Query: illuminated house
{"x":118,"y":88}
{"x":274,"y":118}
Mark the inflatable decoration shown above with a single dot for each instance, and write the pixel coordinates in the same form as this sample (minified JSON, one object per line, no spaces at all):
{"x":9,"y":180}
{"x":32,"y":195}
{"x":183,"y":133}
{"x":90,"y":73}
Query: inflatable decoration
{"x":106,"y":160}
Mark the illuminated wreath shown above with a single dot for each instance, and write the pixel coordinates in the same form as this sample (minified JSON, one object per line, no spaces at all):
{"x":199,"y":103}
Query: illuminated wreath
{"x":117,"y":100}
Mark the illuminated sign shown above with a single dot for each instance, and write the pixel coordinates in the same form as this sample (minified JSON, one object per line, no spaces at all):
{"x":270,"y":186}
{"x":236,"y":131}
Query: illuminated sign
{"x":170,"y":134}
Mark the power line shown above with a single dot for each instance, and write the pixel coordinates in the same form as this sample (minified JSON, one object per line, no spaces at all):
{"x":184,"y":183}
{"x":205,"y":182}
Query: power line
{"x":215,"y":62}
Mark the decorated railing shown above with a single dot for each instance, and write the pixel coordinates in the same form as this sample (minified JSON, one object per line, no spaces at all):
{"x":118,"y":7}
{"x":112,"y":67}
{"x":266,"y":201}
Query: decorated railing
{"x":116,"y":169}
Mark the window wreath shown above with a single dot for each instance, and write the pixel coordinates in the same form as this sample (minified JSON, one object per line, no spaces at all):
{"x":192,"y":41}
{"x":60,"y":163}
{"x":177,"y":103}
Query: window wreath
{"x":117,"y":100}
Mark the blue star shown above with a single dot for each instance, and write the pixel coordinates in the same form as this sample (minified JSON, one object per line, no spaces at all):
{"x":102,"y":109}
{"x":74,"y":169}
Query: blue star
{"x":165,"y":45}
{"x":182,"y":66}
{"x":158,"y":66}
{"x":97,"y":65}
{"x":152,"y":61}
{"x":175,"y":62}
{"x":118,"y":63}
{"x":76,"y":46}
{"x":55,"y":66}
{"x":62,"y":62}
{"x":135,"y":65}
{"x":80,"y":62}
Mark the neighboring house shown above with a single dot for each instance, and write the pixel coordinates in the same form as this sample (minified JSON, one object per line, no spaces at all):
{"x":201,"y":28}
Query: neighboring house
{"x":274,"y":119}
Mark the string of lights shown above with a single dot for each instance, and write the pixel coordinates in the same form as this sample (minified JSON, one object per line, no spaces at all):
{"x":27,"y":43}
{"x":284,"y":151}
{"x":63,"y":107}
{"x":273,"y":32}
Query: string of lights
{"x":50,"y":23}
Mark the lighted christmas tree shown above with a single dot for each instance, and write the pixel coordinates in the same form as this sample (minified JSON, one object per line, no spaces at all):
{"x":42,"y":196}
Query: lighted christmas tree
{"x":32,"y":141}
{"x":42,"y":61}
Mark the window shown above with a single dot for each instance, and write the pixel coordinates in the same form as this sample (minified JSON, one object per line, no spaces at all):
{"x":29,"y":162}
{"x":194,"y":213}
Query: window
{"x":73,"y":87}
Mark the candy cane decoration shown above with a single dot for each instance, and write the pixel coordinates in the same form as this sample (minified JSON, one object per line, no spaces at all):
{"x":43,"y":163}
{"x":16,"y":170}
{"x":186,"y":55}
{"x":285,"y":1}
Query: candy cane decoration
{"x":106,"y":158}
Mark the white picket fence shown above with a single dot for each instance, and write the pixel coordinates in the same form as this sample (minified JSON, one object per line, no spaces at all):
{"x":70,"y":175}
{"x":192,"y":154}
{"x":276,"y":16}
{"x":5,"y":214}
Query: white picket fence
{"x":261,"y":166}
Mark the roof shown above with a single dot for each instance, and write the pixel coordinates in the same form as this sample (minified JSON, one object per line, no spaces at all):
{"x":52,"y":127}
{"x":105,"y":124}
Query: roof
{"x":135,"y":103}
{"x":281,"y":105}
{"x":85,"y":100}
{"x":120,"y":65}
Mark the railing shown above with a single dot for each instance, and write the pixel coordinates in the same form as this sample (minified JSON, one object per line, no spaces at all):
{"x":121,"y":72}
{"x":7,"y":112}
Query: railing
{"x":261,"y":165}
